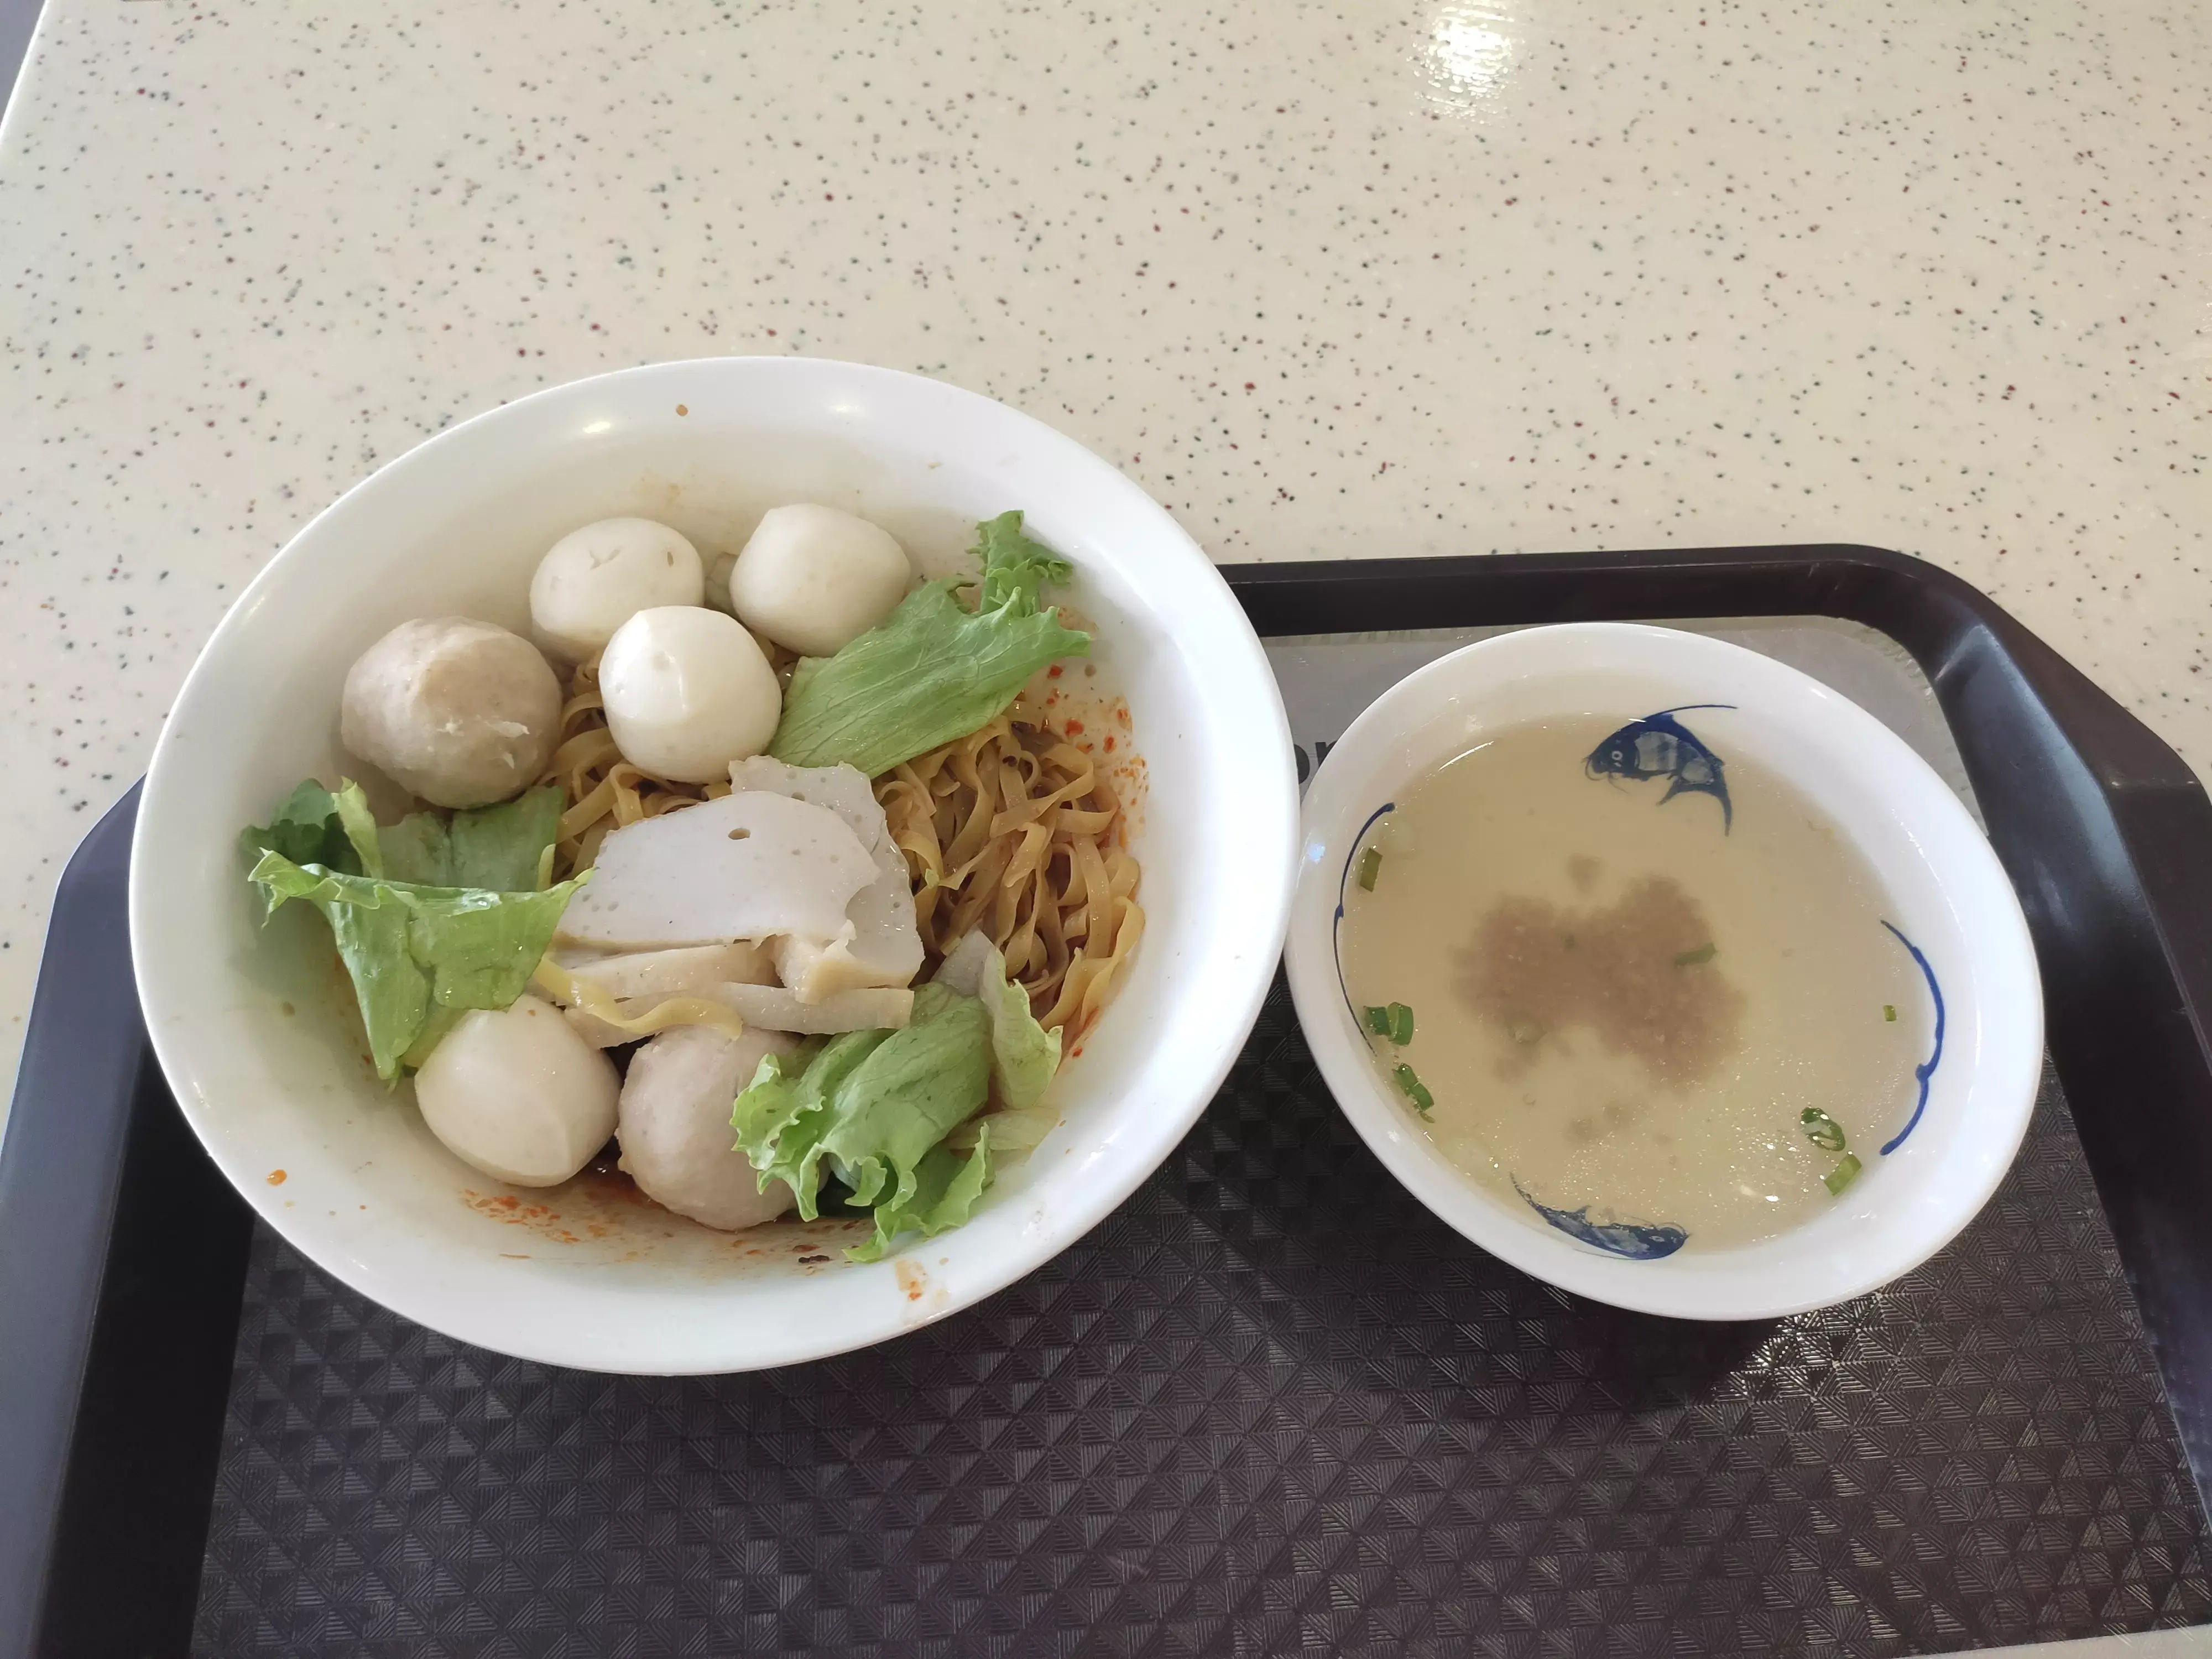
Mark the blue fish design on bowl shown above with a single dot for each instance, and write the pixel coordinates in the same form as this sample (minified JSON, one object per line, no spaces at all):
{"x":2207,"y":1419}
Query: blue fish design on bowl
{"x":1638,"y":1241}
{"x":1661,"y":746}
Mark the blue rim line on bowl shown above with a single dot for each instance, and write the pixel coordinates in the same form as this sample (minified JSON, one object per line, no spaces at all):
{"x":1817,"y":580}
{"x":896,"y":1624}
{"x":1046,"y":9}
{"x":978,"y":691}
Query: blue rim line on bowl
{"x":1925,"y":1072}
{"x":1344,"y":882}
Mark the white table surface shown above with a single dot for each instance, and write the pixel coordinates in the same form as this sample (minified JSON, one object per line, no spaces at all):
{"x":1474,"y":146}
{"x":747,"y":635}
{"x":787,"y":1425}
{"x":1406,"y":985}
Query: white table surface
{"x":1426,"y":277}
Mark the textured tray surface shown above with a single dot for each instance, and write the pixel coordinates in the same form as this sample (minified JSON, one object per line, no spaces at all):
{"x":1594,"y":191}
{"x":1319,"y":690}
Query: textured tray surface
{"x":1270,"y":1406}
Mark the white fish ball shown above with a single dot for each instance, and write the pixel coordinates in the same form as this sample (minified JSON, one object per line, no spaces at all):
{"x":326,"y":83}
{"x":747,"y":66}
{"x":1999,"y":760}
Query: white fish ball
{"x":596,"y":579}
{"x":460,"y":712}
{"x":516,"y":1093}
{"x":687,"y":691}
{"x":676,"y":1143}
{"x":813,"y":578}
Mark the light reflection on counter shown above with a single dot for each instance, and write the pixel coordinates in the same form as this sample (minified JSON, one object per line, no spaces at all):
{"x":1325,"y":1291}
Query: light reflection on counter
{"x":1467,"y":56}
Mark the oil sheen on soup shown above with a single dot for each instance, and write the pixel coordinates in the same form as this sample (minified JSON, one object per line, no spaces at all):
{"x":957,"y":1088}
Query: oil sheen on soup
{"x":1656,"y":996}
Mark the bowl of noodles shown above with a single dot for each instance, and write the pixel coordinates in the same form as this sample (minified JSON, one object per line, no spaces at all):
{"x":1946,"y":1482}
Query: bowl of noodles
{"x":794,"y":953}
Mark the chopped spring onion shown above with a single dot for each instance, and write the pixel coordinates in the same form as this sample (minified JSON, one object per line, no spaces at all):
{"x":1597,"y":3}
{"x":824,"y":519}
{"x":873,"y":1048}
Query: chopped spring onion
{"x":1371,"y":865}
{"x":1822,"y":1130}
{"x":1395,"y":1023}
{"x":1415,"y":1089}
{"x":1843,"y":1175}
{"x":1889,"y":1013}
{"x":1699,"y":956}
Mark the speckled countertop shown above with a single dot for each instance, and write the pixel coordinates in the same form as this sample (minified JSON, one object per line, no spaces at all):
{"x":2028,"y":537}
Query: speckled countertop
{"x":1431,"y":276}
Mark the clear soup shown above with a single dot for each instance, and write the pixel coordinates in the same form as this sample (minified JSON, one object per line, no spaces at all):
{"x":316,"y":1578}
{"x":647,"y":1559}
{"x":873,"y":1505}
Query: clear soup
{"x":1642,"y":985}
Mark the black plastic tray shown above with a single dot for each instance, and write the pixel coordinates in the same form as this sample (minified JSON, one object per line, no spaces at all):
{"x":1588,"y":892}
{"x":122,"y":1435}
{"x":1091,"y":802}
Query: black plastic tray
{"x":1269,"y":1406}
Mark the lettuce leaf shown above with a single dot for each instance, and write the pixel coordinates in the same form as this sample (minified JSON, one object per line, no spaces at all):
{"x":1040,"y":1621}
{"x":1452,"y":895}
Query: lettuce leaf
{"x":434,"y":915}
{"x":306,"y":830}
{"x":1014,"y":566}
{"x":358,"y":824}
{"x":945,"y":1187}
{"x":933,"y":669}
{"x":873,"y":1107}
{"x":1024,"y":1055}
{"x":892,"y":1114}
{"x":415,"y":950}
{"x":500,"y":848}
{"x":782,"y":1115}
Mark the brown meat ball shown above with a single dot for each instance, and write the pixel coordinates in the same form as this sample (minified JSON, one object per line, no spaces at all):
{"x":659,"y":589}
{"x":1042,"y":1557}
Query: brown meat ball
{"x":460,"y":712}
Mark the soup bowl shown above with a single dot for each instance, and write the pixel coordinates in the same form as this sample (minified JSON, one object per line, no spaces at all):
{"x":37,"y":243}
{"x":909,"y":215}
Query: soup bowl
{"x":1964,"y":1106}
{"x":249,"y":1023}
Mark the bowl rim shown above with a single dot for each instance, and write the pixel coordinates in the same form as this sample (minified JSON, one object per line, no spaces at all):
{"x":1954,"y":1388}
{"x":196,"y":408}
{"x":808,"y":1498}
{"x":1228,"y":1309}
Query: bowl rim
{"x":1269,"y":854}
{"x":2011,"y":1056}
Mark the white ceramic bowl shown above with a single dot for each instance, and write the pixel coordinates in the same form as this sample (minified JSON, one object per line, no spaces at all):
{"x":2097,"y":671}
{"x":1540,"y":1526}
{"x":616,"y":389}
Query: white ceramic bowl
{"x":247,"y":1024}
{"x":1950,"y":896}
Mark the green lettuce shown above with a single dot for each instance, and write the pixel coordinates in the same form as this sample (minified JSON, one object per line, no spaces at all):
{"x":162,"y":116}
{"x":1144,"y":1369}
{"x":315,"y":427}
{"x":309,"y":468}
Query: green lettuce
{"x":892,"y":1114}
{"x":933,"y":669}
{"x":411,"y":948}
{"x":1024,"y":1055}
{"x":306,"y":829}
{"x":872,"y":1107}
{"x":1014,"y":566}
{"x":501,"y":849}
{"x":946,"y":1185}
{"x":418,"y":952}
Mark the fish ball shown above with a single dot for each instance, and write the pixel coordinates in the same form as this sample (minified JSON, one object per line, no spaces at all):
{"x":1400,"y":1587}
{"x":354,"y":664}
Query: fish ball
{"x":675,"y":1126}
{"x":813,"y":578}
{"x":687,"y":691}
{"x":515,"y":1093}
{"x":460,"y":712}
{"x":596,"y":579}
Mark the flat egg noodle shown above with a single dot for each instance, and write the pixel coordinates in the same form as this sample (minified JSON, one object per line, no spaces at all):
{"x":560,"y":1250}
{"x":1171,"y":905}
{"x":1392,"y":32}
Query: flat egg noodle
{"x":1015,"y":830}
